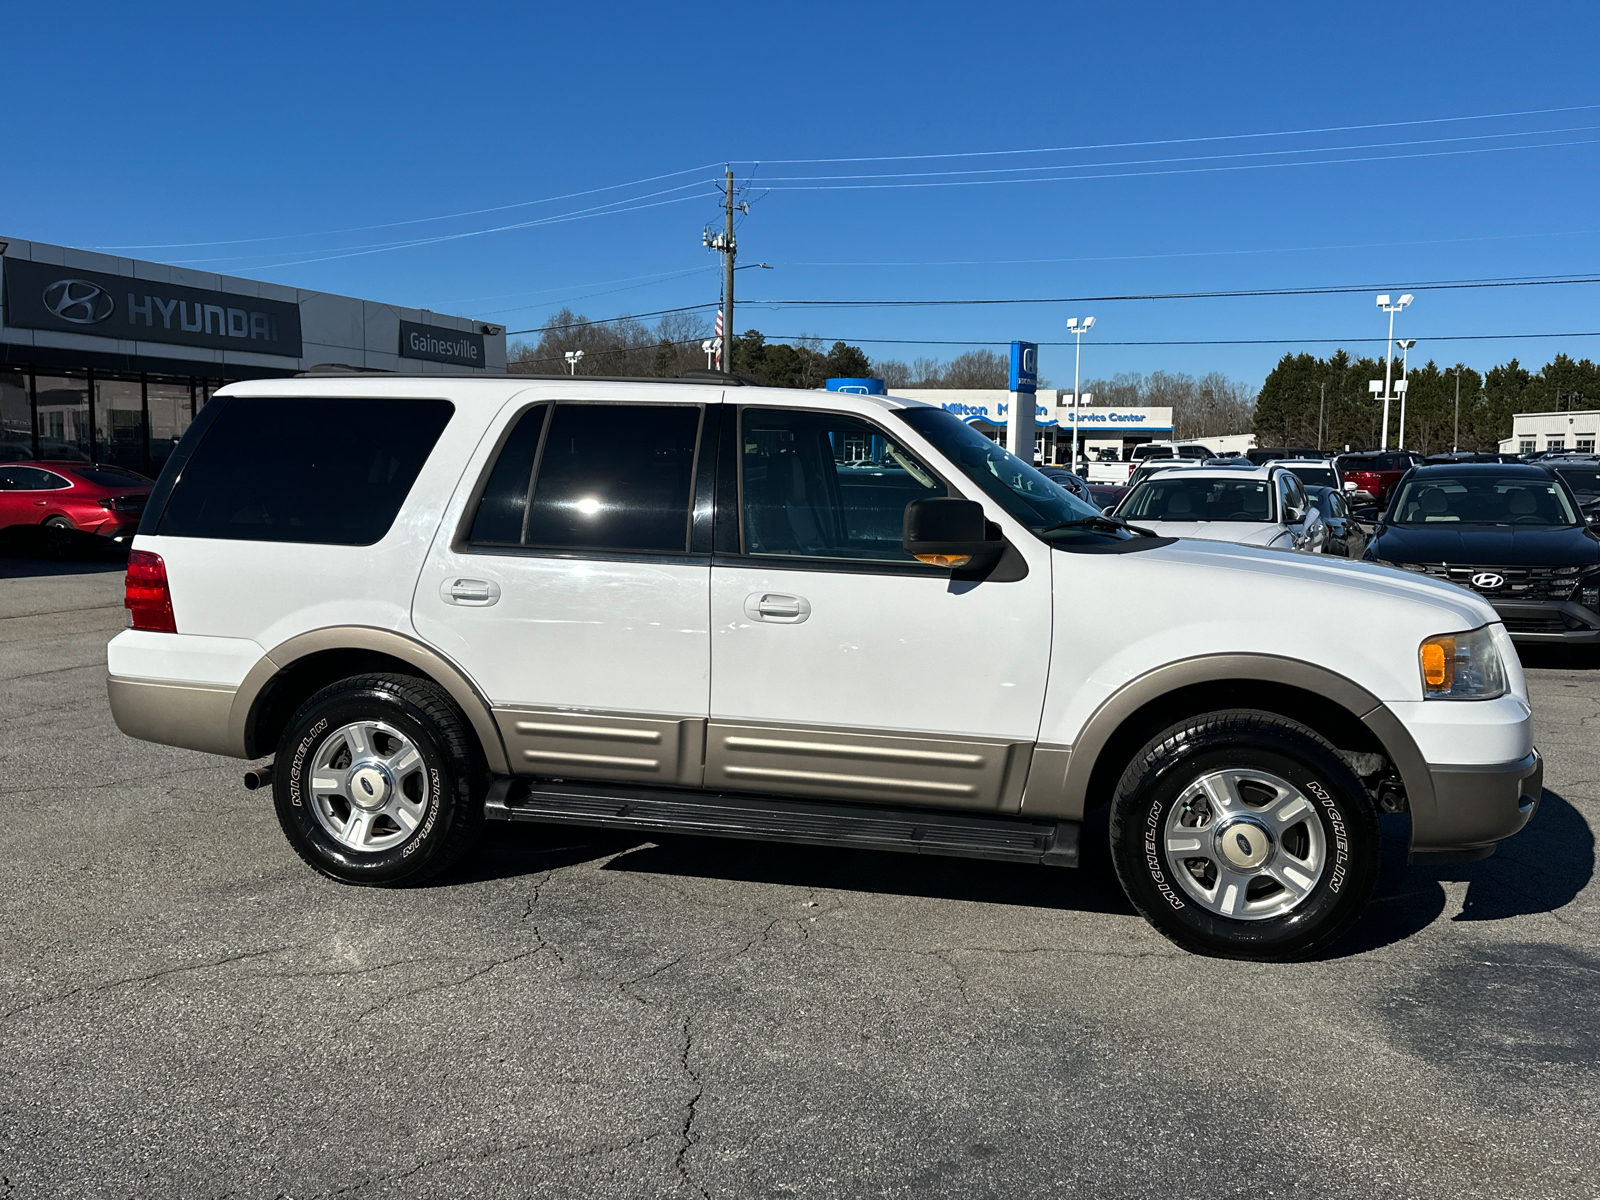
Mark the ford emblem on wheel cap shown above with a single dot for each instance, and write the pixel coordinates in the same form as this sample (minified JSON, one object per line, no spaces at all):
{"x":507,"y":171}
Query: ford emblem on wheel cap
{"x":1487,"y":580}
{"x":1244,"y":844}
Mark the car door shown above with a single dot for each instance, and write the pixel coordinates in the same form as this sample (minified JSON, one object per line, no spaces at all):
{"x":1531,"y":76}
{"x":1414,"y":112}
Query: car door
{"x":840,"y":666}
{"x":574,"y":592}
{"x":26,"y":494}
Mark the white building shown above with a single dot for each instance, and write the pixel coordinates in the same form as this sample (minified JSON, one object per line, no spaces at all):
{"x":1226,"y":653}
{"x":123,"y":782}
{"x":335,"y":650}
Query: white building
{"x":1534,"y":433}
{"x":1102,"y":428}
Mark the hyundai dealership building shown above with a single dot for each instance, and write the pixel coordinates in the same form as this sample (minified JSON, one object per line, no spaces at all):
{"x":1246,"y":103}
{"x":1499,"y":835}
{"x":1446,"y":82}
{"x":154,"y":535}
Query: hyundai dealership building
{"x":107,"y":359}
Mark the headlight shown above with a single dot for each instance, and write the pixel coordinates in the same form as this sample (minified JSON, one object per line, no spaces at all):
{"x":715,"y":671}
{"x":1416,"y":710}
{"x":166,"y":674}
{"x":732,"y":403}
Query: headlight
{"x":1462,"y":666}
{"x":1588,"y":593}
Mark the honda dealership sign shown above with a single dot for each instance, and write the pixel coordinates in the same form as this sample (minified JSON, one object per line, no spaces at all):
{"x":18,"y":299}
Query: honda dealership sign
{"x":44,"y":296}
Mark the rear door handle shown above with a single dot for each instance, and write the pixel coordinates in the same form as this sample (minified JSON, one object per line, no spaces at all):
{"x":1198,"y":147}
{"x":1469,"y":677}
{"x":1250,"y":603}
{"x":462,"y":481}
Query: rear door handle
{"x":472,"y":593}
{"x":777,"y":607}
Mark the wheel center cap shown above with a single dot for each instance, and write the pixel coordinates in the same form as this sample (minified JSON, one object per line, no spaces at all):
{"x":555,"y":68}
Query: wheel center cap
{"x":1246,"y":844}
{"x":369,"y":787}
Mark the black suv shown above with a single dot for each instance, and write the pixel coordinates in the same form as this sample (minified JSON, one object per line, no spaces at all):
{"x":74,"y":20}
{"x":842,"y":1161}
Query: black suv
{"x":1515,"y":534}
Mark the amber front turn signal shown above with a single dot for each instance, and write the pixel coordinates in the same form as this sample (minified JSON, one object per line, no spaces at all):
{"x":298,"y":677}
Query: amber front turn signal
{"x":1438,"y":662}
{"x":944,"y":560}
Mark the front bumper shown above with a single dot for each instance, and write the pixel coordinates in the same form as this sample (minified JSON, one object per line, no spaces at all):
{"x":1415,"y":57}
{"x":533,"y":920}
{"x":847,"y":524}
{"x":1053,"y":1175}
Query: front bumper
{"x":1558,"y":622}
{"x":1475,"y":807}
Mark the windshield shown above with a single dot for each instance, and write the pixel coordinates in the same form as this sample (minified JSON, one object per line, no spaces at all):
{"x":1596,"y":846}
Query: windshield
{"x":1583,"y":480}
{"x":1316,"y":476}
{"x":1482,"y":500}
{"x":1186,"y":498}
{"x":1018,"y":488}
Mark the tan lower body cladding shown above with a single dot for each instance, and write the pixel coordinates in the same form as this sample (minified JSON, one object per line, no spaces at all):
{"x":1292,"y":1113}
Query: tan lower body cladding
{"x":884,"y":768}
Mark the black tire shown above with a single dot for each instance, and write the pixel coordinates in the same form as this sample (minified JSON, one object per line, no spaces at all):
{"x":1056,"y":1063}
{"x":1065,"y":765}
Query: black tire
{"x":452,"y":771}
{"x":58,"y":537}
{"x":1163,"y":773}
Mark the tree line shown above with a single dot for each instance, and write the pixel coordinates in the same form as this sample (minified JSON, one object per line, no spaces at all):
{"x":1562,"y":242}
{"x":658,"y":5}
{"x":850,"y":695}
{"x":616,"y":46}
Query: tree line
{"x":1310,"y":401}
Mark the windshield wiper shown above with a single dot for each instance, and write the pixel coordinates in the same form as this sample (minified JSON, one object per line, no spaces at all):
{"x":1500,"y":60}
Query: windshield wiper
{"x":1100,"y":520}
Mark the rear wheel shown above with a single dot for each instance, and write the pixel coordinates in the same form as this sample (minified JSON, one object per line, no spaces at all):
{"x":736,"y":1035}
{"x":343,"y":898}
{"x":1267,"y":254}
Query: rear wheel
{"x":378,"y":781}
{"x":1242,"y":834}
{"x":57,"y":534}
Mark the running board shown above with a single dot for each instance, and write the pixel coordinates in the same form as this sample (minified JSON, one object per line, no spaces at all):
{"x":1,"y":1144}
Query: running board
{"x":721,"y":814}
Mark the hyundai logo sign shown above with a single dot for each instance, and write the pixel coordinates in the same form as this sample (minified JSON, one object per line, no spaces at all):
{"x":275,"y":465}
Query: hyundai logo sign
{"x":1487,"y":580}
{"x":79,"y":301}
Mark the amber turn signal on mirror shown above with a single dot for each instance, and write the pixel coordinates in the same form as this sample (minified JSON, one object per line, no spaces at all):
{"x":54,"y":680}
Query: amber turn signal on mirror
{"x":944,"y":560}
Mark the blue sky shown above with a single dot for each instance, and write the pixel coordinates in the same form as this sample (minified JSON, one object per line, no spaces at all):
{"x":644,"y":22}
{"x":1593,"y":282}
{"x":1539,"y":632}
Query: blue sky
{"x":158,"y":127}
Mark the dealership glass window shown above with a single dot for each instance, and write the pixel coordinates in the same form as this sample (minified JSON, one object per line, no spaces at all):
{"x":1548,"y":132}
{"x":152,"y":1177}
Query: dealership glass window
{"x":119,"y":422}
{"x":1584,"y":445}
{"x":1559,"y":443}
{"x":1527,"y":446}
{"x":615,"y":477}
{"x":63,"y":418}
{"x":169,"y":417}
{"x":16,"y":429}
{"x":826,"y":485}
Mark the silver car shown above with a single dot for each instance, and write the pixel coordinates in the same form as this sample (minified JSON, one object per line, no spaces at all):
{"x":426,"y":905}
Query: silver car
{"x":1258,"y":506}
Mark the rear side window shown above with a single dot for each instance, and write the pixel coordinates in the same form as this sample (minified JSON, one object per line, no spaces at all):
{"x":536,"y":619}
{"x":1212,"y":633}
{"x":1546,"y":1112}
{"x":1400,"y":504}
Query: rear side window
{"x":113,"y":477}
{"x":606,"y":477}
{"x":331,"y":471}
{"x":30,"y":479}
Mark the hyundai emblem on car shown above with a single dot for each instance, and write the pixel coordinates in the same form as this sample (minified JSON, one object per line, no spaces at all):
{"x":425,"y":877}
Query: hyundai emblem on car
{"x":1487,"y":580}
{"x":79,"y":301}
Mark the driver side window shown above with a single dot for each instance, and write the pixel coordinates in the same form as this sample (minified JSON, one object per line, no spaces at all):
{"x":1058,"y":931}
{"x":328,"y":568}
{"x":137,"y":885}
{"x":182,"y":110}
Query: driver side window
{"x":826,"y":485}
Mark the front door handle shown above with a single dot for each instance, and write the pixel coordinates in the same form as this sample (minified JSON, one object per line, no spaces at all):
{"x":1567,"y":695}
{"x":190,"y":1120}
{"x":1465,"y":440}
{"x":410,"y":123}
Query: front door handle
{"x":473,"y":593}
{"x":777,"y":607}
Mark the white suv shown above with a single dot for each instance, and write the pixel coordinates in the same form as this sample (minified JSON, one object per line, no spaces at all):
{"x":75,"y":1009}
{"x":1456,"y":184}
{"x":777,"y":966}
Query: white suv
{"x":703,"y":608}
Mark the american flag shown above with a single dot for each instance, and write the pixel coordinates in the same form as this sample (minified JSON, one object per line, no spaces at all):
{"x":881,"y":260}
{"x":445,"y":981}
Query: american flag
{"x":718,"y":336}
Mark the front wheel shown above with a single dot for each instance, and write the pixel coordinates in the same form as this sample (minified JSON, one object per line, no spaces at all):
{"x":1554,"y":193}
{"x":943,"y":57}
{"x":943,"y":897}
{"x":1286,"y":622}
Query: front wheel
{"x":1242,"y":834}
{"x":378,"y":781}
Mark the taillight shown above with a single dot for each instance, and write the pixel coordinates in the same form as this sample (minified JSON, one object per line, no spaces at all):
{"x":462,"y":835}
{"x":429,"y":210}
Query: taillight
{"x":147,"y":596}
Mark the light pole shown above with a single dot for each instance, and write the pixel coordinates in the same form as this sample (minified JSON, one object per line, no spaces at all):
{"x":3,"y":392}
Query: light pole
{"x":1405,"y":345}
{"x":1322,"y":407}
{"x":1388,"y":356}
{"x":1078,"y":328}
{"x":574,"y":357}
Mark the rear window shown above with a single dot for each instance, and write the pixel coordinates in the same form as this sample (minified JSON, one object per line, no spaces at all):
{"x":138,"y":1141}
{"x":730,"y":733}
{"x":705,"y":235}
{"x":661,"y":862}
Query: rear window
{"x":1191,"y":499}
{"x":1316,"y":476}
{"x":331,"y":471}
{"x":112,"y":477}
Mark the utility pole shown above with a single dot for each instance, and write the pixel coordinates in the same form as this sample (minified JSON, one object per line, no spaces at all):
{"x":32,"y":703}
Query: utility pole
{"x":1455,"y":441}
{"x":727,"y":246}
{"x":1322,"y":407}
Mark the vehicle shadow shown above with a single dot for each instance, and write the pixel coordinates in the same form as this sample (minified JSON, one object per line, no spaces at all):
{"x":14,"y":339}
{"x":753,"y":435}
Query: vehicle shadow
{"x":1541,"y":869}
{"x":21,"y":560}
{"x":509,"y":850}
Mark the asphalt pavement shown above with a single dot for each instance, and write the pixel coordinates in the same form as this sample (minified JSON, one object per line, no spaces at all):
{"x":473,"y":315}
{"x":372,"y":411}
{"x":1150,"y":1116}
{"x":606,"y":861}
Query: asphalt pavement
{"x":186,"y":1010}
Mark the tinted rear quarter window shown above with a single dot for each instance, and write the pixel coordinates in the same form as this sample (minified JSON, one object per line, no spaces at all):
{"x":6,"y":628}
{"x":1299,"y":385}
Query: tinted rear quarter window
{"x":330,"y":471}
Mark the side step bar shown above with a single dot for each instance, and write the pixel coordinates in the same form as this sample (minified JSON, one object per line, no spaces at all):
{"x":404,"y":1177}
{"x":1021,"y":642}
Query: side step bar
{"x":775,"y":819}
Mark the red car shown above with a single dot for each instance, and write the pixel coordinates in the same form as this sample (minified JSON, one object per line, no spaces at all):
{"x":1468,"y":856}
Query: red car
{"x":62,"y":499}
{"x":1374,"y":474}
{"x":1107,"y":495}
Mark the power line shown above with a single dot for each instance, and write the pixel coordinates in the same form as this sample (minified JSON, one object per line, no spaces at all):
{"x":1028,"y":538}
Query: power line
{"x":1436,"y":285}
{"x":475,"y":212}
{"x":660,"y":312}
{"x":1221,"y":137}
{"x":1137,"y":162}
{"x":1306,"y":341}
{"x":1321,"y":162}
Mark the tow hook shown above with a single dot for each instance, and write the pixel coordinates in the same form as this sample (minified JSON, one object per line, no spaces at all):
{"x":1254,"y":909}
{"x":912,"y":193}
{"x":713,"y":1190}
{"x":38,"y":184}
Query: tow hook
{"x":258,"y":777}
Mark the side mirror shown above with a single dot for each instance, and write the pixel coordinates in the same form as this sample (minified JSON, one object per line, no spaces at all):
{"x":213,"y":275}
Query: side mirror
{"x":1111,"y":508}
{"x":1293,"y":515}
{"x":947,"y":532}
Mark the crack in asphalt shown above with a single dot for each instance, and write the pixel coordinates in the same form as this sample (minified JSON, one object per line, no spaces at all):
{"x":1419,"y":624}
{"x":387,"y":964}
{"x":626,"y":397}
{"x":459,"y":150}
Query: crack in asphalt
{"x":686,"y":1135}
{"x":147,"y":978}
{"x":650,"y":974}
{"x":544,"y":943}
{"x":440,"y":985}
